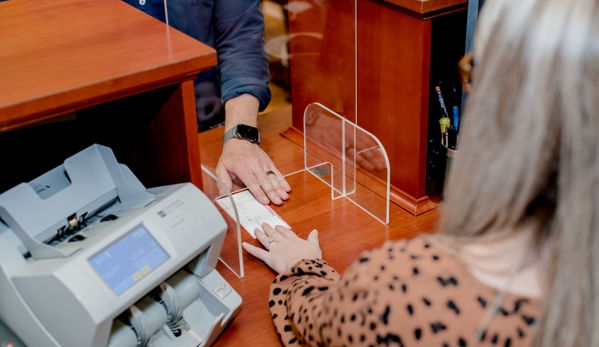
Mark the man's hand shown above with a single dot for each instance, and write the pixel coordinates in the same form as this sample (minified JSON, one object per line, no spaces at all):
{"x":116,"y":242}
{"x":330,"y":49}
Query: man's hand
{"x":247,"y":162}
{"x":285,"y":248}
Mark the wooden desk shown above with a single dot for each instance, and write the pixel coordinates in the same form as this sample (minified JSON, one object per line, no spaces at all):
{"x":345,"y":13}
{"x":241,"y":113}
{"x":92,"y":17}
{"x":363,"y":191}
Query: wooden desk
{"x":373,"y":61}
{"x":345,"y":230}
{"x":128,"y":76}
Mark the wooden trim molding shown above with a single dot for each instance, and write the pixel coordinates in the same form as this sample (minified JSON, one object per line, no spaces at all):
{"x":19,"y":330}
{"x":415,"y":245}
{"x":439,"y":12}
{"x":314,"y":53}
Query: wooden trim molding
{"x":424,"y":9}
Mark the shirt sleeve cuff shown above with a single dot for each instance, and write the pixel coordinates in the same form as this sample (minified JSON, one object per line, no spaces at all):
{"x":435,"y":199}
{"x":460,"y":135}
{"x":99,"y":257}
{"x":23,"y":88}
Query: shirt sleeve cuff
{"x":247,"y":85}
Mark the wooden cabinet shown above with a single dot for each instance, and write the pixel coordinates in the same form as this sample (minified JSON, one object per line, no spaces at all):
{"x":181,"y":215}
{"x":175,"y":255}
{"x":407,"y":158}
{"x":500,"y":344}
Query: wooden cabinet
{"x":78,"y":72}
{"x":371,"y":62}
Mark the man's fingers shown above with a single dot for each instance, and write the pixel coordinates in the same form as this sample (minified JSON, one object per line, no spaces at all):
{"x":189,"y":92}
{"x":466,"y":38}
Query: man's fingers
{"x":270,"y":185}
{"x":259,"y":194}
{"x":277,"y":191}
{"x":223,"y":175}
{"x":270,"y":188}
{"x":251,"y":182}
{"x":253,"y":167}
{"x":283,"y":182}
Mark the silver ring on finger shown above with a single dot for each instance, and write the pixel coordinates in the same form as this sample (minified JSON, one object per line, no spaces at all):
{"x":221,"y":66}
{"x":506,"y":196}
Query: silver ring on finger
{"x":268,"y":242}
{"x":270,"y":173}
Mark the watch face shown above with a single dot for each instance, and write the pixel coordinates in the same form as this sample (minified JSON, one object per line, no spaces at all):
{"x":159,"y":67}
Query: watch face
{"x":247,"y":132}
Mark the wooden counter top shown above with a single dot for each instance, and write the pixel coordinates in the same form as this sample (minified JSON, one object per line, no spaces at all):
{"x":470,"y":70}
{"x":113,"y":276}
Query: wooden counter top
{"x":345,"y":230}
{"x":58,"y":56}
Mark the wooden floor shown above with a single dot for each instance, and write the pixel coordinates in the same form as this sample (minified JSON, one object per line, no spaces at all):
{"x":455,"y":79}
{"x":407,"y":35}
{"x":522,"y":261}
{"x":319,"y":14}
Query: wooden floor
{"x":345,"y":230}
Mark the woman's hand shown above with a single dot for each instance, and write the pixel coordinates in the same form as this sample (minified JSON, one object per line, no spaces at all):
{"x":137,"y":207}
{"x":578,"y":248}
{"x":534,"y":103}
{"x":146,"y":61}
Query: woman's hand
{"x":285,"y":249}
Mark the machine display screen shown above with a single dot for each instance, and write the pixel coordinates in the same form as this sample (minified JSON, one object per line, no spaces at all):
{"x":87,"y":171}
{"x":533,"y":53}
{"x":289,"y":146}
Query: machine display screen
{"x":129,"y":260}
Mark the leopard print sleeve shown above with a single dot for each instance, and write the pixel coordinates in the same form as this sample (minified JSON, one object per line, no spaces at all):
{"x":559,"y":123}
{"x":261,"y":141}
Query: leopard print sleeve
{"x":405,"y":293}
{"x":299,"y":290}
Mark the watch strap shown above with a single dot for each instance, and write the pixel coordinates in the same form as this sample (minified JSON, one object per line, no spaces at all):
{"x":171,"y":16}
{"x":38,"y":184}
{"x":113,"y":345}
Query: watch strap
{"x":234,"y":132}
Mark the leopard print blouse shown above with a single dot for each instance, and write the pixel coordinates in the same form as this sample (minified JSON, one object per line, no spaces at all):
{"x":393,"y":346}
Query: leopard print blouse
{"x":406,"y":293}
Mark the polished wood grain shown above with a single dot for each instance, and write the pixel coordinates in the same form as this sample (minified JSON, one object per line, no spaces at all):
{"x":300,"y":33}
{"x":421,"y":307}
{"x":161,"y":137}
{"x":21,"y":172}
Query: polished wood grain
{"x":392,"y":70}
{"x":322,"y":58}
{"x":128,"y":76}
{"x":345,"y":230}
{"x":394,"y":90}
{"x":59,"y":56}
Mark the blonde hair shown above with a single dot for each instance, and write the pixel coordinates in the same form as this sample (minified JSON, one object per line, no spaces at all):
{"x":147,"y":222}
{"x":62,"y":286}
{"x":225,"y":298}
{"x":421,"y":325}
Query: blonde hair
{"x":529,"y":151}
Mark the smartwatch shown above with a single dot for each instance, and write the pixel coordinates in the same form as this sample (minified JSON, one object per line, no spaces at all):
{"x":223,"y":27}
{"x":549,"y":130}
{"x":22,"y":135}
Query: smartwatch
{"x":243,"y":132}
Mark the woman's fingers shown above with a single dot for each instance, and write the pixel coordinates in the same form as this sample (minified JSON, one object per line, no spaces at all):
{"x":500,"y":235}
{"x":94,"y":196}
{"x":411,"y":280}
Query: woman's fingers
{"x":282,"y":247}
{"x":255,"y":251}
{"x":285,"y":231}
{"x":262,"y":237}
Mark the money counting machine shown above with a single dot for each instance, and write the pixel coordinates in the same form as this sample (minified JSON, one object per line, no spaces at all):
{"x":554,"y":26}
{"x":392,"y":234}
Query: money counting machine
{"x":89,"y":257}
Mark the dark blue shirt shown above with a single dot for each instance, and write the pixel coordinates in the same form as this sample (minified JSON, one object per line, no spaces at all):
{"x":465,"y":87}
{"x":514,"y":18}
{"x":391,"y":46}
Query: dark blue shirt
{"x":235,"y":29}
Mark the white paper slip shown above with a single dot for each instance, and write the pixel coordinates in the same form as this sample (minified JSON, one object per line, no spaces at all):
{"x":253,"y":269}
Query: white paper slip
{"x":251,"y":212}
